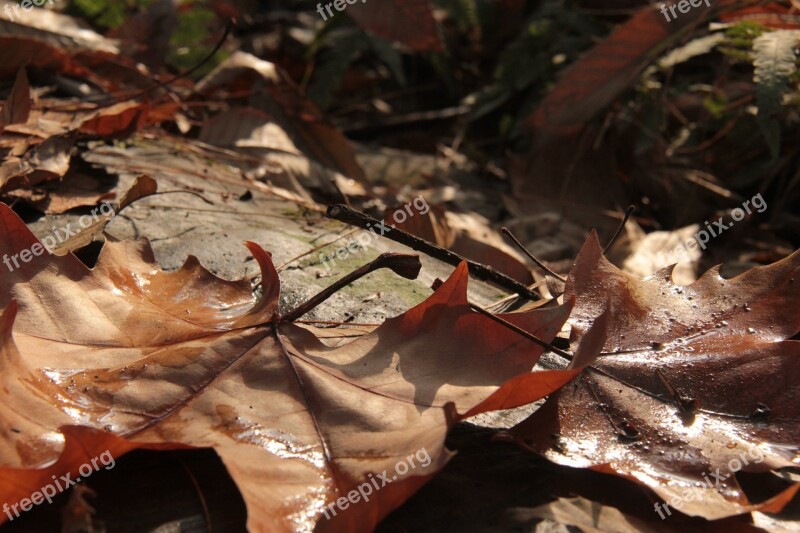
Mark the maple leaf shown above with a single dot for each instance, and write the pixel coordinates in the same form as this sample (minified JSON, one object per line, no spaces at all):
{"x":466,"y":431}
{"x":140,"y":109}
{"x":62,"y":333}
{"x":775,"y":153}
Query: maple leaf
{"x":139,"y":357}
{"x":693,"y":383}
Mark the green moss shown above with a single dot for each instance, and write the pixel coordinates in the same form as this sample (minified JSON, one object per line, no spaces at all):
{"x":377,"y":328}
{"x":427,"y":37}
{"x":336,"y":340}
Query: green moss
{"x":384,"y":280}
{"x":191,"y":42}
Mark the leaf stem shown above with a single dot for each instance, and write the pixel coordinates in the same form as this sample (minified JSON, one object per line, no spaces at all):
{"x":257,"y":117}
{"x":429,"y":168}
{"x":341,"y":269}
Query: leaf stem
{"x":406,"y":265}
{"x":628,"y":213}
{"x":483,"y":272}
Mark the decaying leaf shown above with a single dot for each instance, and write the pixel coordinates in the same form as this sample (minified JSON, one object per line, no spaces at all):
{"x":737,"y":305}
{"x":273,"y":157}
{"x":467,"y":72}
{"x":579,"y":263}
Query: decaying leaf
{"x":18,"y":106}
{"x":409,"y":22}
{"x":467,"y":234}
{"x":694,"y":383}
{"x":187,"y":359}
{"x":142,"y":187}
{"x":280,"y":101}
{"x":587,"y":515}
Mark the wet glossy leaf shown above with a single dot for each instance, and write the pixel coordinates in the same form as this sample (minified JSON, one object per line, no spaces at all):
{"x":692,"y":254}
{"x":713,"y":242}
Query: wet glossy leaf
{"x":694,"y":383}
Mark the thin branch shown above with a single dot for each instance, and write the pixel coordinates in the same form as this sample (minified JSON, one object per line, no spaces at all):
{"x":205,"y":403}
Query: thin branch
{"x":520,"y":331}
{"x":115,"y":99}
{"x":350,"y":216}
{"x":539,"y":263}
{"x":628,"y":213}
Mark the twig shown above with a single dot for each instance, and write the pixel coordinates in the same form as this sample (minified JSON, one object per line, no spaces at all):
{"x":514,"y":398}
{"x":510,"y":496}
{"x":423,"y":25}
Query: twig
{"x":115,"y":99}
{"x":539,"y":263}
{"x":483,"y":272}
{"x":405,"y":265}
{"x":341,"y":193}
{"x":519,"y":330}
{"x":420,"y":116}
{"x":628,"y":213}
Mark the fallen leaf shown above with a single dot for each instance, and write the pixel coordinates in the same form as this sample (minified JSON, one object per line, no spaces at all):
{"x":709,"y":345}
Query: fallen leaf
{"x":693,"y":382}
{"x":305,"y":124}
{"x":142,"y":187}
{"x":47,"y":161}
{"x":592,"y":82}
{"x":76,"y":189}
{"x":587,"y":515}
{"x":18,"y":106}
{"x":467,"y":234}
{"x":409,"y":22}
{"x":270,"y":155}
{"x":186,"y":359}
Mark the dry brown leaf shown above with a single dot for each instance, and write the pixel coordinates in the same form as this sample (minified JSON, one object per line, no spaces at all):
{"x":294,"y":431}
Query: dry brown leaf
{"x":468,"y":235}
{"x":185,"y":358}
{"x":410,"y":22}
{"x":75,"y":190}
{"x":587,"y":515}
{"x":18,"y":106}
{"x":693,"y":383}
{"x":305,"y":124}
{"x":271,"y":155}
{"x":47,"y":161}
{"x":142,"y":187}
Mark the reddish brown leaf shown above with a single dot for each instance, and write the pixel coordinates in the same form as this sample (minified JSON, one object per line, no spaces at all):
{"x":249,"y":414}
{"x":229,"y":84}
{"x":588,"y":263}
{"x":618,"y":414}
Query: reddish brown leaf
{"x":466,"y":234}
{"x":591,"y":83}
{"x":409,"y":22}
{"x":124,"y":117}
{"x":692,"y":381}
{"x":771,"y":15}
{"x":16,"y":52}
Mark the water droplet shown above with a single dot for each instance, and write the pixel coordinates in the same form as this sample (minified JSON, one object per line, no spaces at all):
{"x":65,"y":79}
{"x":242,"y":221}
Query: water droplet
{"x":751,"y":330}
{"x":761,"y":412}
{"x":628,"y":431}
